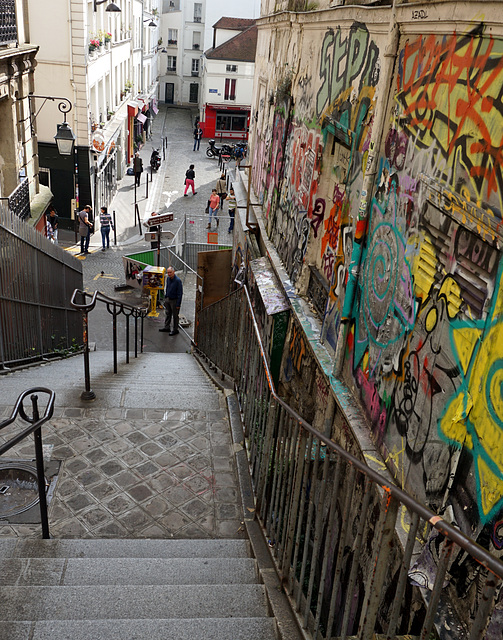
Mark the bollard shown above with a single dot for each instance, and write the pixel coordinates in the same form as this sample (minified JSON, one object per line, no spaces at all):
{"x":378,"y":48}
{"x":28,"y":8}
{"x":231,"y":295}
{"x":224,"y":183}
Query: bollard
{"x":115,"y":229}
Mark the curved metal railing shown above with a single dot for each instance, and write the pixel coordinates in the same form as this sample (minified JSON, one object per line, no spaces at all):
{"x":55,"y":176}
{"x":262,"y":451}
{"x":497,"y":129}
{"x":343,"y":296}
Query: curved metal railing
{"x":35,"y":422}
{"x":115,"y":308}
{"x":343,"y":535}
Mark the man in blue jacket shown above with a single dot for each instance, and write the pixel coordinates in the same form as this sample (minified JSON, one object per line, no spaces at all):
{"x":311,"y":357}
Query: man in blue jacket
{"x":173,"y":292}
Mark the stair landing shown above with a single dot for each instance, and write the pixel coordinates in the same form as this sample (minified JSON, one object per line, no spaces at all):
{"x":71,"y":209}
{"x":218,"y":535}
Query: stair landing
{"x":151,"y":457}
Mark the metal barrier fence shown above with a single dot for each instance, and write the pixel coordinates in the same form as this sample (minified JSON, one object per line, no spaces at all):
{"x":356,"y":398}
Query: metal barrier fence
{"x":192,"y":237}
{"x":37,"y":279}
{"x":348,"y":543}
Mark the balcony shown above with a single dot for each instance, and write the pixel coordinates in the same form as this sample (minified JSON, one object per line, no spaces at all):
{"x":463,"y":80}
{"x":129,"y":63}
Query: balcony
{"x":195,"y":46}
{"x":194,"y":74}
{"x":197,"y":18}
{"x":172,"y":42}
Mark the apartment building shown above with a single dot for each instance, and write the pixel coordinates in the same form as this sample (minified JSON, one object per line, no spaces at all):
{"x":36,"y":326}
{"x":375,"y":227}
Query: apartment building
{"x":19,"y":185}
{"x":104,"y":61}
{"x":228,"y":71}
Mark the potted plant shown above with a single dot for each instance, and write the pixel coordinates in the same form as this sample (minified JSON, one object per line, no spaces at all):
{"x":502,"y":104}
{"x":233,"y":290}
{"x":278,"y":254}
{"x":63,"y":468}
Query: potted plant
{"x":128,"y":85}
{"x":94,"y":44}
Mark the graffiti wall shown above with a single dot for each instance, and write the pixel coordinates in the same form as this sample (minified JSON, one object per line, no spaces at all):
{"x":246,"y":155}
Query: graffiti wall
{"x":423,"y":339}
{"x":423,"y":352}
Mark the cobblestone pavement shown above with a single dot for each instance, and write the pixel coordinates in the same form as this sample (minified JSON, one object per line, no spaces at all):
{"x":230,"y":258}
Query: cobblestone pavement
{"x":141,"y":473}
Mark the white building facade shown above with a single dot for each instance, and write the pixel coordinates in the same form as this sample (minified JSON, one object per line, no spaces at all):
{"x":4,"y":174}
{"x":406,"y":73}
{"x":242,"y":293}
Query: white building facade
{"x":105,"y":63}
{"x":228,"y":78}
{"x":182,"y":37}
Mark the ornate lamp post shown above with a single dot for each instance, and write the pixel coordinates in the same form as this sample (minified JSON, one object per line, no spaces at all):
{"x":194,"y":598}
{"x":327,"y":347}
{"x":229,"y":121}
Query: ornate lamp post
{"x":65,"y":138}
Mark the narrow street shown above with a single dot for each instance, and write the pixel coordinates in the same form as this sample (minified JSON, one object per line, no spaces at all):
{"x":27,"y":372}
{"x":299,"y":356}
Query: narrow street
{"x":104,"y":270}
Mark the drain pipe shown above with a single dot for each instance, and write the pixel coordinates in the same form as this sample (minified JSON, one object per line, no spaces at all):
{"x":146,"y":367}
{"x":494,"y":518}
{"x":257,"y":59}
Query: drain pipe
{"x":380,"y":111}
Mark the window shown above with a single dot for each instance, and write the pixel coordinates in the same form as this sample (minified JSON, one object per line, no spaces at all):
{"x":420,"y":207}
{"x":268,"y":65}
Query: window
{"x":193,"y":92}
{"x":230,"y":89}
{"x":196,"y":40}
{"x":231,"y":121}
{"x":195,"y":66}
{"x":171,"y":63}
{"x":198,"y":11}
{"x":231,"y":68}
{"x":172,"y":36}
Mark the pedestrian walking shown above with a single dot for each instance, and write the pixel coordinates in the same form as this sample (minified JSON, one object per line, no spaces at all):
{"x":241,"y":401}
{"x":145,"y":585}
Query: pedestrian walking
{"x":198,"y":134}
{"x":137,"y":168}
{"x":52,"y":224}
{"x":212,"y":208}
{"x":85,"y":227}
{"x":173,"y":292}
{"x":222,"y":190}
{"x":190,"y":174}
{"x":105,"y":224}
{"x":231,"y":198}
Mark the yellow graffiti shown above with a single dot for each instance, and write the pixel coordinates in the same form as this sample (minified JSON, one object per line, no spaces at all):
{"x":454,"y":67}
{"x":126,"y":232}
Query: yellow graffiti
{"x":424,"y":268}
{"x":474,"y":416}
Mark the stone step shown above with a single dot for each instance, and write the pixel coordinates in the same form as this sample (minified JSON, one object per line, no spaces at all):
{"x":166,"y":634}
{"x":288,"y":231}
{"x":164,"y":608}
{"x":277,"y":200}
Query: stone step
{"x":132,"y":571}
{"x":155,"y":629}
{"x":123,"y":548}
{"x":153,"y":380}
{"x":132,"y":602}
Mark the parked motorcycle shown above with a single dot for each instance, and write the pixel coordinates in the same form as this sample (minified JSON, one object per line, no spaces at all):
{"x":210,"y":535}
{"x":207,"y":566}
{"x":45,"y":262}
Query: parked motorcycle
{"x":213,"y":151}
{"x":155,"y":160}
{"x":226,"y":149}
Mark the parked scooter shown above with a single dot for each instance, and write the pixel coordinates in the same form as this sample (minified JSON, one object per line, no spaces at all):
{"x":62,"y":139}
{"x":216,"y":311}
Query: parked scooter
{"x":155,"y":160}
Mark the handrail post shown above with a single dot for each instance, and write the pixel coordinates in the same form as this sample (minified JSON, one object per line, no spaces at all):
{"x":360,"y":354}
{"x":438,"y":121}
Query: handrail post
{"x":127,"y":339}
{"x":136,"y":336}
{"x":39,"y":457}
{"x":114,"y":330}
{"x":88,"y":394}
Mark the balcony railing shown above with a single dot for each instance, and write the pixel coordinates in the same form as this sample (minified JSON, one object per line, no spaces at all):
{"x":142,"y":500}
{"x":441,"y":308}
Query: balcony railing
{"x":19,"y":200}
{"x":8,"y":29}
{"x":197,"y":18}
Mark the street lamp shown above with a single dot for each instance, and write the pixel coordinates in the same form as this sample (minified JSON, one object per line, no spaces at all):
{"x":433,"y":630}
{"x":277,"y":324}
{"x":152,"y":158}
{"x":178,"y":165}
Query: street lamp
{"x":111,"y":7}
{"x":65,"y":138}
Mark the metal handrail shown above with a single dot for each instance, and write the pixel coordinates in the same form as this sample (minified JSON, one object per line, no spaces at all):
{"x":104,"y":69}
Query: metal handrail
{"x":115,"y":308}
{"x":248,"y":383}
{"x":36,"y":423}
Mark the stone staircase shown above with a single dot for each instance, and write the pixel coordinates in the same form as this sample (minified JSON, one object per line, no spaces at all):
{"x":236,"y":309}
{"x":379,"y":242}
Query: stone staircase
{"x":131,"y":590}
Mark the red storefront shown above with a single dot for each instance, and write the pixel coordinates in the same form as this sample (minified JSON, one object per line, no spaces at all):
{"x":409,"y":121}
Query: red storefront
{"x":226,"y":121}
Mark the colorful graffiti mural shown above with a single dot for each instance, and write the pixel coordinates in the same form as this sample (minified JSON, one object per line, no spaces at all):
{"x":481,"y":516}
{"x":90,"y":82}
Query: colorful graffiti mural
{"x":423,"y":340}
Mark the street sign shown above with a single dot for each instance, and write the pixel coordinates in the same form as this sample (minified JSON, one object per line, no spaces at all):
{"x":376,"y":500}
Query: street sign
{"x":157,"y":219}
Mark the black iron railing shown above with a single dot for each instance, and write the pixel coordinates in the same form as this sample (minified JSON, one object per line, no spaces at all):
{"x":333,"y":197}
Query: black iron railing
{"x":115,"y":308}
{"x":344,"y":537}
{"x":19,"y":200}
{"x":37,"y":278}
{"x":35,"y":422}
